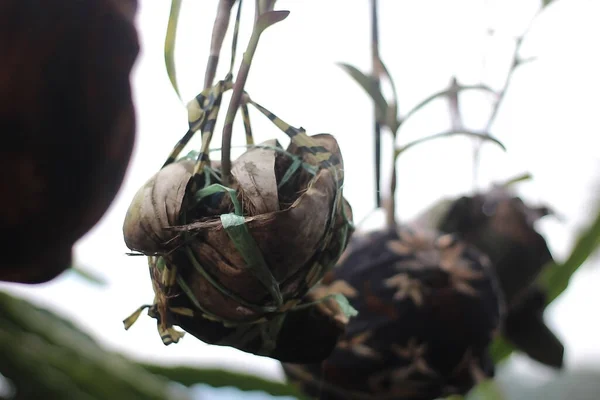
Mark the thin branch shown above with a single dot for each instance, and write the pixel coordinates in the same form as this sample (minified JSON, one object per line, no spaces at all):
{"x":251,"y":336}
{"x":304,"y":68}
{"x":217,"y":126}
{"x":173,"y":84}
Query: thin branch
{"x":502,"y":94}
{"x":218,"y":35}
{"x":376,"y":75}
{"x":516,"y":61}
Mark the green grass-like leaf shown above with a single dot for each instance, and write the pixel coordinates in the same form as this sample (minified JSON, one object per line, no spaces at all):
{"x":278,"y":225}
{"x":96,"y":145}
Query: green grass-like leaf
{"x":87,"y":276}
{"x":46,"y":356}
{"x":445,"y":93}
{"x":486,"y":390}
{"x":369,"y":85}
{"x":556,"y":277}
{"x":480,"y":135}
{"x":189,"y":376}
{"x":500,"y":349}
{"x":170,"y":44}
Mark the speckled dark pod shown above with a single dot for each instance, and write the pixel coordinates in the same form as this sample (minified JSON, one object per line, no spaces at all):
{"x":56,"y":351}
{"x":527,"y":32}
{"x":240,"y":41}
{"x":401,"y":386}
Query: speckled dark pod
{"x":428,"y":307}
{"x":500,"y":224}
{"x":67,"y":123}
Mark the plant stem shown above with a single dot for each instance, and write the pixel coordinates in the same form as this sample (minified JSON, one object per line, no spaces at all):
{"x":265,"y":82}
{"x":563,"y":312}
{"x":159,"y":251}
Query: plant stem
{"x":495,"y":109}
{"x":262,"y":22}
{"x":218,"y":35}
{"x":454,"y":105}
{"x":502,"y":94}
{"x":236,"y":97}
{"x":390,"y":203}
{"x":376,"y":75}
{"x":516,"y":61}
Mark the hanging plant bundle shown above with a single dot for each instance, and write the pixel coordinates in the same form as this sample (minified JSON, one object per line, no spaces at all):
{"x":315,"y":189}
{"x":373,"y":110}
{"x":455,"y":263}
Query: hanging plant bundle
{"x":428,"y":307}
{"x":68,"y":118}
{"x":500,"y":224}
{"x":231,"y":263}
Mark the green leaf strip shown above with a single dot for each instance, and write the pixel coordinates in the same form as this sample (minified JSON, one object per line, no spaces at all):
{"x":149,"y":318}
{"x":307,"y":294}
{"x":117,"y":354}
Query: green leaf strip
{"x":170,"y":44}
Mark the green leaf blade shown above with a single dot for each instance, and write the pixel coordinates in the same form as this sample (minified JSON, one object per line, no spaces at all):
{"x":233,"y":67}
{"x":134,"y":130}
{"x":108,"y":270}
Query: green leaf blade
{"x":369,"y":85}
{"x":555,"y":279}
{"x":189,"y":376}
{"x":170,"y":44}
{"x":480,"y":135}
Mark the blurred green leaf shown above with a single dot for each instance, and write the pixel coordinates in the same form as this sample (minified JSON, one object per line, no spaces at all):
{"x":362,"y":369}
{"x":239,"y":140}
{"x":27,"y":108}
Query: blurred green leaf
{"x":546,"y":2}
{"x":391,"y":116}
{"x":45,"y":356}
{"x":189,"y":376}
{"x":170,"y":44}
{"x":500,"y":349}
{"x":486,"y":390}
{"x":480,"y":135}
{"x":446,"y":93}
{"x":369,"y":85}
{"x":555,"y":278}
{"x":270,"y":18}
{"x":517,"y":179}
{"x":87,"y":276}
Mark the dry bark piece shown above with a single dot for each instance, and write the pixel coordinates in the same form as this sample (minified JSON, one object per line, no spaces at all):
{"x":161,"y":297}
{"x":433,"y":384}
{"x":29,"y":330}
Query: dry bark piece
{"x":292,"y":224}
{"x":254,"y":172}
{"x":428,"y":308}
{"x":66,"y":107}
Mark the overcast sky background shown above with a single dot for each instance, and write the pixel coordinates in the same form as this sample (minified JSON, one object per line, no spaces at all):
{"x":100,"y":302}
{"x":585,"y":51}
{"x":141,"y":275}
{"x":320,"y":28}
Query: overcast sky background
{"x":549,"y":124}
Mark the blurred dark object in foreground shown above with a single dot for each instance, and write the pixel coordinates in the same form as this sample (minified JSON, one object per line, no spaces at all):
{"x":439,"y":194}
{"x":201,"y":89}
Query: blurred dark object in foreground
{"x":67,"y":122}
{"x":501,"y":225}
{"x":428,"y":308}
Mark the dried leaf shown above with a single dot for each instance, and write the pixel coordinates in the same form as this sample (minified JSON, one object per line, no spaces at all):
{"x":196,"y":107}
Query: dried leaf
{"x":237,"y":273}
{"x":254,"y":172}
{"x":156,"y":206}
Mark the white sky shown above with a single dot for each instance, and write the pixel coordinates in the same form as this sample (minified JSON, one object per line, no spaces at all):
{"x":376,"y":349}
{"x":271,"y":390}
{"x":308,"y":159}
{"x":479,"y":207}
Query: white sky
{"x":549,"y":124}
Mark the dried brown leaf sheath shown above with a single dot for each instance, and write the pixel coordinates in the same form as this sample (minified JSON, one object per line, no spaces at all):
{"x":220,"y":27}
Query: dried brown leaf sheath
{"x":236,"y":293}
{"x":428,"y":307}
{"x":67,"y":123}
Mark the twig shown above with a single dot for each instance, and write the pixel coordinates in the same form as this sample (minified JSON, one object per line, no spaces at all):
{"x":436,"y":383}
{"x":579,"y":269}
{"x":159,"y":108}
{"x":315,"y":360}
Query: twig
{"x":218,"y":35}
{"x":516,"y":61}
{"x":376,"y":75}
{"x":262,"y":22}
